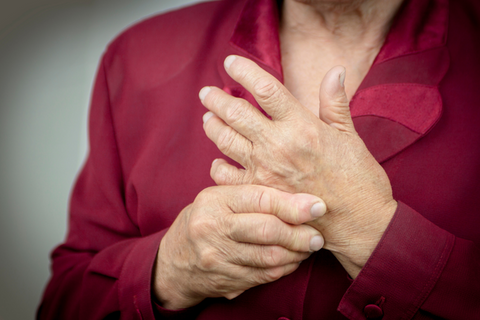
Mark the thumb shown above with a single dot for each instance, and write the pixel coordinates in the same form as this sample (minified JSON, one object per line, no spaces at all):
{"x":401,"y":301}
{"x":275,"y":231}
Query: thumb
{"x":224,"y":173}
{"x":334,"y":106}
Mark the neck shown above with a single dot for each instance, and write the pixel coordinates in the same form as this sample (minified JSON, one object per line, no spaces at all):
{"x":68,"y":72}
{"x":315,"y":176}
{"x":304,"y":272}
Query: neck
{"x":351,"y":22}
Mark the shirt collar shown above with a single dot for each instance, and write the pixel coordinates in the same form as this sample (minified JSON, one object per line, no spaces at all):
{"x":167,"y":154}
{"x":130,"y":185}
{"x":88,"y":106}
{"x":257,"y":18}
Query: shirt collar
{"x":398,"y":102}
{"x":420,"y":25}
{"x":256,"y":33}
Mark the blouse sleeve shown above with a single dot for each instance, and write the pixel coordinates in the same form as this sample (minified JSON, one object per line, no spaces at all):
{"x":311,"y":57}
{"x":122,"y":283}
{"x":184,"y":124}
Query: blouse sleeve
{"x":104,"y":268}
{"x":417,"y":271}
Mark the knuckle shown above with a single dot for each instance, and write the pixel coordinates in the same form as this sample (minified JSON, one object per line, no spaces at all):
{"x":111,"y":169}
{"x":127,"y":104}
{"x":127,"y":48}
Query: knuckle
{"x":267,"y":234}
{"x":206,"y":195}
{"x":291,"y":209}
{"x":207,"y":259}
{"x":265,"y":89}
{"x":200,"y":227}
{"x":273,"y":274}
{"x":264,"y":200}
{"x":295,"y":217}
{"x":273,"y":256}
{"x":225,"y":141}
{"x":311,"y":140}
{"x":229,"y":226}
{"x":236,"y":111}
{"x":295,"y":239}
{"x":221,"y":176}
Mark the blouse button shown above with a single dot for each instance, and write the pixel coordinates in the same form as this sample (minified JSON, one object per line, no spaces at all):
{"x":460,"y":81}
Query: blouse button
{"x":372,"y":311}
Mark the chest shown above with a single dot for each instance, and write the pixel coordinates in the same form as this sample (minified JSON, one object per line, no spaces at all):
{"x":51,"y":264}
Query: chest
{"x":305,"y":64}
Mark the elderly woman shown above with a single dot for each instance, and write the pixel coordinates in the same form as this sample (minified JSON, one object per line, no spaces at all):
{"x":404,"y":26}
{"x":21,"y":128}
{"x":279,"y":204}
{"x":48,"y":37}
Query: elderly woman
{"x":378,"y":164}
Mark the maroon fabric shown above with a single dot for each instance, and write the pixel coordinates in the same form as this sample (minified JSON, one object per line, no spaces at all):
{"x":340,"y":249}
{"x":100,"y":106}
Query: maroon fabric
{"x":390,"y":117}
{"x":417,"y":110}
{"x":255,"y":30}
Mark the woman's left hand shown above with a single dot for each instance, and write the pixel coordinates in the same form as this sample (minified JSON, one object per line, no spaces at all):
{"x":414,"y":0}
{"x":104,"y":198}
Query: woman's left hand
{"x":297,"y":151}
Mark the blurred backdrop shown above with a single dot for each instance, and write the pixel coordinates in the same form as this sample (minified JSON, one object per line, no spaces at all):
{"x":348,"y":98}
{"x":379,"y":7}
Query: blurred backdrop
{"x":49,"y":50}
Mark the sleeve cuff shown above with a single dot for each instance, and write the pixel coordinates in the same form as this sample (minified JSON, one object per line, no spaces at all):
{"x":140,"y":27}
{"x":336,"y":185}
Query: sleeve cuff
{"x":402,"y":270}
{"x":134,"y":284}
{"x":181,"y":314}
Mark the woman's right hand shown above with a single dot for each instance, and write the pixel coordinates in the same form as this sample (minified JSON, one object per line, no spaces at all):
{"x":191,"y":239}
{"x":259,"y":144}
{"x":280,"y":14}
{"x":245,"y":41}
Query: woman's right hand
{"x":232,"y":238}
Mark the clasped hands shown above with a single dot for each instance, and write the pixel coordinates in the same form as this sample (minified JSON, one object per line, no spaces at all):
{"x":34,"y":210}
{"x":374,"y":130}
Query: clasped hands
{"x":262,"y":220}
{"x":296,"y":151}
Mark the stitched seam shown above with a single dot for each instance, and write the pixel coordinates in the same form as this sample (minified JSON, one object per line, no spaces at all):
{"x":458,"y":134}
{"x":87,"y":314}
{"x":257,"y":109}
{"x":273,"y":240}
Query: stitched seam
{"x":439,"y":100}
{"x":411,"y":53}
{"x":387,"y":118}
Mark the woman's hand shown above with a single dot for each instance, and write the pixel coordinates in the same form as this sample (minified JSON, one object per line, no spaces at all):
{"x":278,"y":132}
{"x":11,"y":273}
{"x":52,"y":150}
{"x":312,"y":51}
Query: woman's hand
{"x":233,"y":238}
{"x":299,"y":152}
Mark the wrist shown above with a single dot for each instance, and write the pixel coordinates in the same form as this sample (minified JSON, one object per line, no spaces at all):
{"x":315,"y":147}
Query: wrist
{"x":360,"y":242}
{"x":167,"y":286}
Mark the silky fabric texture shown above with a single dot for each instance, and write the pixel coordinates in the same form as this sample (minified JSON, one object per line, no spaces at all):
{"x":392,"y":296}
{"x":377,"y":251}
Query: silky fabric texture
{"x":417,"y":110}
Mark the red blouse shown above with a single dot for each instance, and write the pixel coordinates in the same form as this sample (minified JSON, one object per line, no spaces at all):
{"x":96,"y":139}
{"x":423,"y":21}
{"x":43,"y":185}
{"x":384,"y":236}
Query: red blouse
{"x":418,"y":111}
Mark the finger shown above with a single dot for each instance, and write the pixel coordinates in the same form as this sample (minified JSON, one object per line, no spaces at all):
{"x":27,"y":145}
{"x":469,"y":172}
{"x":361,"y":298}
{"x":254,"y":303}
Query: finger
{"x":334,"y":104}
{"x":267,"y":275}
{"x":229,"y":142}
{"x":270,"y":94}
{"x":292,"y":208}
{"x":269,"y":230}
{"x":236,"y":112}
{"x":224,"y":173}
{"x":248,"y":277}
{"x":261,"y":256}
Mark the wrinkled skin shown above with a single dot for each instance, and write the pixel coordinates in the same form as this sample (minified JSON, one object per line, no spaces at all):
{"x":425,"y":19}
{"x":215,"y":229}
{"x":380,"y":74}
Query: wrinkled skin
{"x":297,"y":151}
{"x":232,"y":238}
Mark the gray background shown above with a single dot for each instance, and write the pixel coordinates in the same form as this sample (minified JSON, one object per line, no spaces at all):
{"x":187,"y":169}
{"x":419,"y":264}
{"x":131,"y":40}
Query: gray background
{"x":49,"y":50}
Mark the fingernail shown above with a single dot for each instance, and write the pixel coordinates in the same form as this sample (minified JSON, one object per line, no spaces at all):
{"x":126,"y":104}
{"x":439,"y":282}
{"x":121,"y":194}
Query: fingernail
{"x":341,"y":78}
{"x":318,"y":209}
{"x":203,"y":93}
{"x":228,"y":61}
{"x":207,"y":116}
{"x":316,"y":243}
